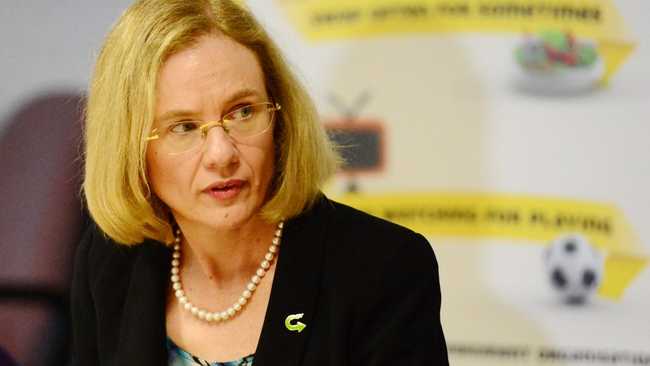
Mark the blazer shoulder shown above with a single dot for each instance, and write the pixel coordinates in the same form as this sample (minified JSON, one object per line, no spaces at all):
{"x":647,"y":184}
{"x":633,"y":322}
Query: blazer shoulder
{"x":96,"y":252}
{"x":351,"y":220}
{"x":378,"y":240}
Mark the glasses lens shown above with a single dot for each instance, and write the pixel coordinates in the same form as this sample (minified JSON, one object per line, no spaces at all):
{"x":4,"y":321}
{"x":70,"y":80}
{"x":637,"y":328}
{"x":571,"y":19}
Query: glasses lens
{"x":249,"y":120}
{"x":182,"y":136}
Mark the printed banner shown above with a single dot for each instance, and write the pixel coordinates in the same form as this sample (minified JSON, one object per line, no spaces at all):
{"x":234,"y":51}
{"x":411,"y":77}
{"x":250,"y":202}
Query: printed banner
{"x":531,"y":220}
{"x":342,"y":19}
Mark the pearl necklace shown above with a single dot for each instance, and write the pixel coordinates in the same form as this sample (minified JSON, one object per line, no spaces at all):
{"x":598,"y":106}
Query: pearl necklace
{"x":214,"y":317}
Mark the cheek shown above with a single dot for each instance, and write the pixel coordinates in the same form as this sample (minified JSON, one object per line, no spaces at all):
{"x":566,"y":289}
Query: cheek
{"x":262,"y":162}
{"x":268,"y":170}
{"x":160,"y":172}
{"x":267,"y":163}
{"x":154,"y":170}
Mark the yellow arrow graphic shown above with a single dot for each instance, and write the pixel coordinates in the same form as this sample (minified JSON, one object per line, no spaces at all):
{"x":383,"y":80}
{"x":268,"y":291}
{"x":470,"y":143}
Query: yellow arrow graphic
{"x":336,"y":19}
{"x":535,"y":220}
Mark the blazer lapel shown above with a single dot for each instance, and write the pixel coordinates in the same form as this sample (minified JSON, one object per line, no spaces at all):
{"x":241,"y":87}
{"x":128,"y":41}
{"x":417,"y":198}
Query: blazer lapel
{"x":295,"y":289}
{"x":142,"y":332}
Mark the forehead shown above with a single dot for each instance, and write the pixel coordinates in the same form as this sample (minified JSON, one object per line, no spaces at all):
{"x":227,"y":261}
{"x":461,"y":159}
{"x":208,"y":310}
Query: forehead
{"x":207,"y":74}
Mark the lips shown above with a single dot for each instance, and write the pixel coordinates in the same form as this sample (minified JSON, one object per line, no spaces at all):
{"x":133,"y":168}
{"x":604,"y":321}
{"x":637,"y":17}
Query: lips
{"x":224,"y":190}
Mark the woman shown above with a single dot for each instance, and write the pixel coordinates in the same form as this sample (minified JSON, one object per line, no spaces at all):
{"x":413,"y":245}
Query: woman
{"x":213,"y":243}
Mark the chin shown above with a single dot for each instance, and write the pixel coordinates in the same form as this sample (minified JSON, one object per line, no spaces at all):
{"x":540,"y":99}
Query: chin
{"x":233,"y":217}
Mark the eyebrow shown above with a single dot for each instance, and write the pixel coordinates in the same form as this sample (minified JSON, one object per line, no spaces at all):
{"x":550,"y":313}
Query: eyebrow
{"x":243,"y":93}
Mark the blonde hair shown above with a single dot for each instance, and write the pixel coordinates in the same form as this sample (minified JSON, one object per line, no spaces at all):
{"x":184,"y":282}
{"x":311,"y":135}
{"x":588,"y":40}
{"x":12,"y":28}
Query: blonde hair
{"x":120,"y":113}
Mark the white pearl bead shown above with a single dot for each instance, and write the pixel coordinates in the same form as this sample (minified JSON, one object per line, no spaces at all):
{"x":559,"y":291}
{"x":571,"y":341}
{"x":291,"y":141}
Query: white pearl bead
{"x":281,"y":224}
{"x":224,"y":315}
{"x":256,"y":279}
{"x":278,"y":233}
{"x":201,"y":314}
{"x":176,"y":255}
{"x":194,"y":310}
{"x":266,"y":264}
{"x":187,"y":306}
{"x":242,"y":301}
{"x":209,"y":317}
{"x":237,"y":307}
{"x":175,"y":278}
{"x":273,"y":249}
{"x":179,"y":293}
{"x":247,"y":294}
{"x":251,"y":287}
{"x":175,"y":263}
{"x":260,"y":272}
{"x":268,"y":256}
{"x":175,"y":270}
{"x":276,"y":241}
{"x":177,"y":286}
{"x":177,"y":247}
{"x":182,"y":300}
{"x":231,"y":311}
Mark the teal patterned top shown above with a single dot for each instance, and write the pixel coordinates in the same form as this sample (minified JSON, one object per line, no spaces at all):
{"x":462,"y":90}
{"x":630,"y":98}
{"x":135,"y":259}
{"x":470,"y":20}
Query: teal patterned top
{"x":180,"y":357}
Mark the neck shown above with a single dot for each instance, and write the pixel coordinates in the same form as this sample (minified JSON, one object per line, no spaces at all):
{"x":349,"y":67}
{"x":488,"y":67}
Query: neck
{"x":225,"y":256}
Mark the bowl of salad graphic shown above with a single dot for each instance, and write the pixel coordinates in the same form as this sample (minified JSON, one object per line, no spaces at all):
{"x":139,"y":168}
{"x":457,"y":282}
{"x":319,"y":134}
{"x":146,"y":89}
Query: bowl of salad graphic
{"x":558,"y":62}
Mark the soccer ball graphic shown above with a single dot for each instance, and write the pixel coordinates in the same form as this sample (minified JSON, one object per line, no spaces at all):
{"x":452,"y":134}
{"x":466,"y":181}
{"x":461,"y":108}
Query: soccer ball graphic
{"x":574,"y":268}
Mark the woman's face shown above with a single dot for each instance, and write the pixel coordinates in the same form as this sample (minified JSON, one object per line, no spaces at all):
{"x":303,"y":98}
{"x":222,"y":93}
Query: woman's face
{"x":223,"y":183}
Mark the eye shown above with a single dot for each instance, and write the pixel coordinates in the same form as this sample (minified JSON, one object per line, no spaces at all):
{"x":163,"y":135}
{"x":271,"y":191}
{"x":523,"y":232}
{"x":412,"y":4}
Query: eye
{"x":183,"y":127}
{"x":241,"y":113}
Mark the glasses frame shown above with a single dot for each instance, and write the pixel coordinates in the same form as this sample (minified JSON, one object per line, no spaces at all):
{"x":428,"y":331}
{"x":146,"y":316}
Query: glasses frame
{"x":206,"y":126}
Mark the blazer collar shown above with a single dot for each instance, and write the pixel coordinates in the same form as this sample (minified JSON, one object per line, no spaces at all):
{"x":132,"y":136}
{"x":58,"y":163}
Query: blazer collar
{"x":142,"y":333}
{"x":295,"y":289}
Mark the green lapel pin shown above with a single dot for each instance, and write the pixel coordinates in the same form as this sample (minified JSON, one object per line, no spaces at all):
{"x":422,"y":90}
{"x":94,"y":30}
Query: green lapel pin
{"x":297,"y":326}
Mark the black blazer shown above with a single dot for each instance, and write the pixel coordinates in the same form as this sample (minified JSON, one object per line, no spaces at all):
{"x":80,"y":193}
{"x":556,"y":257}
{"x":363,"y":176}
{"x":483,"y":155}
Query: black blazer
{"x":368,"y":289}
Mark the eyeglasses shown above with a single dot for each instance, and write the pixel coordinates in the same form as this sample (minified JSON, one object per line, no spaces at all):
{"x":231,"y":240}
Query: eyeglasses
{"x":185,"y":135}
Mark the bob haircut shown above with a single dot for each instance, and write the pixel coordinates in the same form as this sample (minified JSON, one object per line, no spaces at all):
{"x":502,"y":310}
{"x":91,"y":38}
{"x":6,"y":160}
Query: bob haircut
{"x":121,"y":105}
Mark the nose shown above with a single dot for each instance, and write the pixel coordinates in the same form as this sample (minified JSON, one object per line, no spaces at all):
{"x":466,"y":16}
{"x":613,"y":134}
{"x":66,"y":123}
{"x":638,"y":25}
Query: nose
{"x":219,"y":149}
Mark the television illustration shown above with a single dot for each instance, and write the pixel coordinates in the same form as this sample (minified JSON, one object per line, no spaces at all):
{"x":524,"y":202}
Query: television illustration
{"x":361,"y":144}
